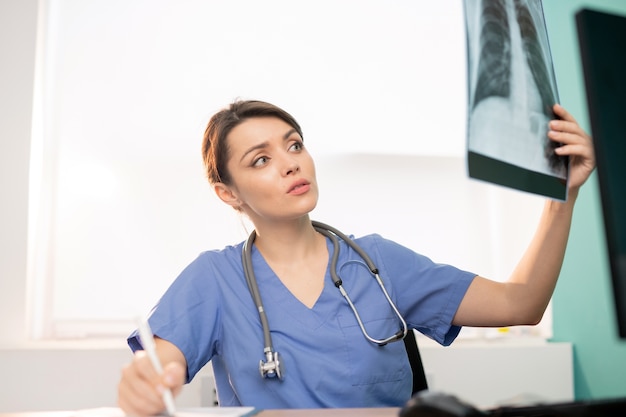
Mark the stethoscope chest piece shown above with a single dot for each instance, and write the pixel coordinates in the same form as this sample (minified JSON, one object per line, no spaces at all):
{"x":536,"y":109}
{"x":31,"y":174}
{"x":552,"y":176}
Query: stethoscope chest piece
{"x":271,"y":367}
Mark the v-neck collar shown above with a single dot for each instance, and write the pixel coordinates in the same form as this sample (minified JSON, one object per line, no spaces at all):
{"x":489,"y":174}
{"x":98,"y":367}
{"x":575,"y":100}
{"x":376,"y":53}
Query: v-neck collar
{"x":273,"y":289}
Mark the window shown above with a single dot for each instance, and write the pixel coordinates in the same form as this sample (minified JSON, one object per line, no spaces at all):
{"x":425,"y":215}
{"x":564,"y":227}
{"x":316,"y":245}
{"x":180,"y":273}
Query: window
{"x":120,"y":203}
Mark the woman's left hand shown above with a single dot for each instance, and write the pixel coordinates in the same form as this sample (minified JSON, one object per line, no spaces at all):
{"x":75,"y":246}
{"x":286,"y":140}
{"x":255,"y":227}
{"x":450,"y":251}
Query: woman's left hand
{"x":575,"y":143}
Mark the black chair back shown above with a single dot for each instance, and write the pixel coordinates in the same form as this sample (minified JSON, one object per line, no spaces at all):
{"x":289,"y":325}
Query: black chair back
{"x":415,"y":359}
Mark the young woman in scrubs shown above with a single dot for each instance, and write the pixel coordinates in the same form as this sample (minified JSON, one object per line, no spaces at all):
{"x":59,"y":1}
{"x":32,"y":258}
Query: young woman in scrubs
{"x":257,"y":163}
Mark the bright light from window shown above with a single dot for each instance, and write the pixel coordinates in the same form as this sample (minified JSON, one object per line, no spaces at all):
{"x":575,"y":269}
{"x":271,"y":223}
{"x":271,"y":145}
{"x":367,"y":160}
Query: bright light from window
{"x":129,"y":87}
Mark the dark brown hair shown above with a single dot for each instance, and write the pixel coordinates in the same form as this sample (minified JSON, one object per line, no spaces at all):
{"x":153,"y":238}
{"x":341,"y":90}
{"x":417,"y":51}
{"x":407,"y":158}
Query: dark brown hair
{"x":215,"y":150}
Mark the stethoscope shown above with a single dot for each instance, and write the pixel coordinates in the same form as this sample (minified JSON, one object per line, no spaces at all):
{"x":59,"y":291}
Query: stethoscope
{"x":271,"y":367}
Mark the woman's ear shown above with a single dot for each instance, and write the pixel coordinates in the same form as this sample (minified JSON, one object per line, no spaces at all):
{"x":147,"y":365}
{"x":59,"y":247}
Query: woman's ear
{"x":227,"y":195}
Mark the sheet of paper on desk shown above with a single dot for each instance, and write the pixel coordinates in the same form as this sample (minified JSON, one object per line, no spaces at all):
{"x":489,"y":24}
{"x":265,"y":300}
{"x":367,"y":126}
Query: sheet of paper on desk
{"x":217,"y":412}
{"x":185,"y":412}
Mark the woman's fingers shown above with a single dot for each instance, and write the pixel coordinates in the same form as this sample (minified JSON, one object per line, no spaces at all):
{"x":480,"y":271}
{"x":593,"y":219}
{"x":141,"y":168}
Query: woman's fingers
{"x":140,"y":388}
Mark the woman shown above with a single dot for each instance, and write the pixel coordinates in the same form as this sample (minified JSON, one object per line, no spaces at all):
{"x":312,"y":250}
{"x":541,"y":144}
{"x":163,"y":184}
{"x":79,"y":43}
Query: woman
{"x":257,"y":163}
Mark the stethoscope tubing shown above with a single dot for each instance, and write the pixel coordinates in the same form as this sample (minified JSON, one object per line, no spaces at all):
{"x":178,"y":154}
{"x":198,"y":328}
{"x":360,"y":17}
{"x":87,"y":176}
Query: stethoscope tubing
{"x":332,"y":234}
{"x":272,"y":366}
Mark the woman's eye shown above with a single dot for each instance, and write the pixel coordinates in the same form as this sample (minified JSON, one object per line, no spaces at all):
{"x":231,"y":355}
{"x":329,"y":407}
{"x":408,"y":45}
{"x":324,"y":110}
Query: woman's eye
{"x":259,"y":161}
{"x":296,"y":146}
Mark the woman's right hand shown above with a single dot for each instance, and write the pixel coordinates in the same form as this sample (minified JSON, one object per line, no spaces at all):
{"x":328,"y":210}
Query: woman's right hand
{"x":140,"y":390}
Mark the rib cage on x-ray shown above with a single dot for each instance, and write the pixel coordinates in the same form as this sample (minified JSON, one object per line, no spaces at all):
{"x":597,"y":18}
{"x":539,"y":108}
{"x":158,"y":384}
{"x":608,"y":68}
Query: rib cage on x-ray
{"x":535,"y":56}
{"x":537,"y":65}
{"x":494,"y":61}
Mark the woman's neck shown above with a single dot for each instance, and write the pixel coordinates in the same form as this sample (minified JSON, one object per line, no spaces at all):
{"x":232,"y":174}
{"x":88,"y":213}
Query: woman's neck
{"x":289,"y":241}
{"x":298,"y":255}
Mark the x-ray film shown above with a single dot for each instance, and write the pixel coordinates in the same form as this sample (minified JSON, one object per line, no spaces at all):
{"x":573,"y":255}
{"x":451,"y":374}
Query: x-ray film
{"x":511,"y":92}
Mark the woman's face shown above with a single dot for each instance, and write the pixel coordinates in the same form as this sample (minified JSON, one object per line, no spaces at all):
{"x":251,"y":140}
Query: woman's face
{"x":273,"y":175}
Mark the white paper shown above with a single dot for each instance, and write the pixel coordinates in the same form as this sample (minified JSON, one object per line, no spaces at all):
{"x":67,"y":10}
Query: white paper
{"x":185,"y":412}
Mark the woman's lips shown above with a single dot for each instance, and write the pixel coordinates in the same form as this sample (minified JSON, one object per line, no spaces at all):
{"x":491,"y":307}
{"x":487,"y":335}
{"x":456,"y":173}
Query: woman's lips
{"x":300,"y":187}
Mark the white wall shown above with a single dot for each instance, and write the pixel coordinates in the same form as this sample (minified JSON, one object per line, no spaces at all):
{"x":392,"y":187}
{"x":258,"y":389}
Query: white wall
{"x":76,"y":376}
{"x":17,"y":62}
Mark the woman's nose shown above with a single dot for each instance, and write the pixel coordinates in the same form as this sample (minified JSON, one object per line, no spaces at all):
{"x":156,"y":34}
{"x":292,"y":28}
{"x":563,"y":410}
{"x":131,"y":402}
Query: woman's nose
{"x":290,"y":165}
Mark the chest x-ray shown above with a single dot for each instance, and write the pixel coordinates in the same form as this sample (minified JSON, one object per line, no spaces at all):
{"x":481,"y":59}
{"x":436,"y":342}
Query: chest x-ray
{"x":512,"y":89}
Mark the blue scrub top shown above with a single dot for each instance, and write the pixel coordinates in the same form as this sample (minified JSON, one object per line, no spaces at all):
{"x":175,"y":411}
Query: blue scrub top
{"x":209,"y":314}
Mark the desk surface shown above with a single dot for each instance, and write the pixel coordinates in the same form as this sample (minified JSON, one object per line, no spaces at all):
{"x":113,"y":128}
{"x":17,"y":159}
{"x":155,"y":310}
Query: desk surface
{"x":325,"y":412}
{"x":332,"y":412}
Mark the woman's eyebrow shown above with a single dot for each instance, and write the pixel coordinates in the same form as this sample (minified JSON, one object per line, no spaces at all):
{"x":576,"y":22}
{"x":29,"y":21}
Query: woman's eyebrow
{"x":265,"y":143}
{"x":252,"y":149}
{"x":289,"y":133}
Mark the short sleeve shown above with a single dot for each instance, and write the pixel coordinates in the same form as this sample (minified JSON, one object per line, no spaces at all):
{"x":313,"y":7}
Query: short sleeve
{"x":187,"y":315}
